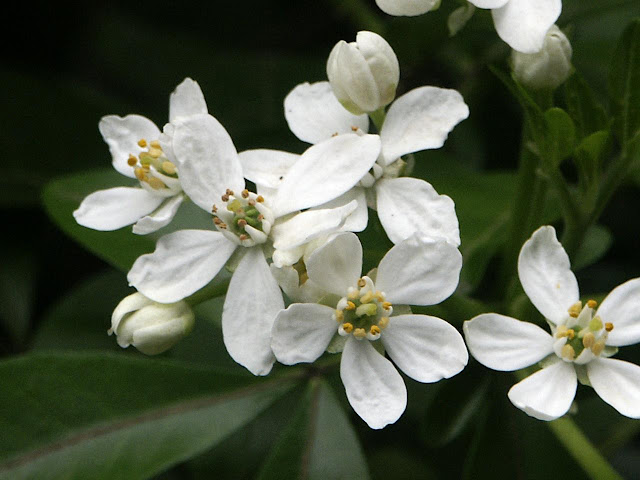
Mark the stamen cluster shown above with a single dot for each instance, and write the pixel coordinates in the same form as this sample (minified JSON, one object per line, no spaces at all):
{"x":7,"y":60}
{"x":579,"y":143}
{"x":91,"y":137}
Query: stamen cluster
{"x":582,"y":331}
{"x":243,"y":219}
{"x":154,"y":170}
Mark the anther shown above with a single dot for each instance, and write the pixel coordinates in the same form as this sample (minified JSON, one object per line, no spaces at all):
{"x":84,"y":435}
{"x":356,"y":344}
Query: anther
{"x":361,"y":282}
{"x":374,"y":330}
{"x":251,"y":202}
{"x":588,"y":340}
{"x":574,"y":310}
{"x":354,"y":128}
{"x":568,"y":352}
{"x":347,"y":327}
{"x":350,"y":306}
{"x":260,"y":217}
{"x":379,"y":296}
{"x":352,"y":294}
{"x":156,"y":183}
{"x":383,"y":322}
{"x":242,"y":223}
{"x":245,"y":193}
{"x":139,"y":173}
{"x":259,"y":199}
{"x":217,"y":220}
{"x":225,"y":198}
{"x":597,"y":348}
{"x":339,"y":316}
{"x":367,"y":297}
{"x":359,"y":333}
{"x":168,"y":167}
{"x":142,"y":143}
{"x":243,"y":237}
{"x":214,"y":209}
{"x":386,"y":305}
{"x":156,"y":144}
{"x":132,"y":160}
{"x":155,"y":152}
{"x":592,"y":304}
{"x":608,"y":326}
{"x":229,"y":192}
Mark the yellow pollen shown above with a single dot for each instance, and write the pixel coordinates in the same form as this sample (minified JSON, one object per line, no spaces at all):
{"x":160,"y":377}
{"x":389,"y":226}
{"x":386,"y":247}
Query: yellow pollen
{"x":350,"y":306}
{"x":367,"y":297}
{"x":132,"y":160}
{"x":260,"y":217}
{"x":379,"y":297}
{"x":146,"y":168}
{"x":347,"y":327}
{"x":383,"y":322}
{"x":155,"y":153}
{"x":608,"y":326}
{"x":597,"y":348}
{"x":156,"y":144}
{"x":225,"y":198}
{"x":574,"y":310}
{"x":142,"y":143}
{"x":217,"y":220}
{"x":386,"y":305}
{"x":168,"y":167}
{"x":214,"y":209}
{"x":354,"y":128}
{"x":359,"y":333}
{"x":592,"y":304}
{"x":145,"y":158}
{"x":229,"y":192}
{"x":588,"y":340}
{"x":245,"y":193}
{"x":259,"y":199}
{"x":361,"y":283}
{"x":568,"y":352}
{"x":139,"y":173}
{"x":243,"y":237}
{"x":563,"y":331}
{"x":374,"y":330}
{"x":339,"y":316}
{"x":156,"y":183}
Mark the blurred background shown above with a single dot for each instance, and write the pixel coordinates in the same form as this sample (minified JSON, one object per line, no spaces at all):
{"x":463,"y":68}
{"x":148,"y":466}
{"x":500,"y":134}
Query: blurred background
{"x":65,"y":66}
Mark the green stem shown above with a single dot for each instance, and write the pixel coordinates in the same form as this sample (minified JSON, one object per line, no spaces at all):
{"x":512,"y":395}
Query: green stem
{"x":377,"y":118}
{"x":582,"y":450}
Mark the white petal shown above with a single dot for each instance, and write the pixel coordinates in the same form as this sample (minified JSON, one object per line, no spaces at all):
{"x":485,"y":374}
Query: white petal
{"x":545,"y":273}
{"x":504,"y":343}
{"x":358,"y":219}
{"x":426,"y":348}
{"x":337,"y":265}
{"x":253,"y":301}
{"x":407,"y":8}
{"x":374,"y":387}
{"x":187,"y":99}
{"x":122,"y":135}
{"x":207,"y":160}
{"x":289,"y":280}
{"x":111,"y":209}
{"x":622,"y":308}
{"x":420,"y":119}
{"x":314,"y":113}
{"x":326,"y":171}
{"x":128,"y":304}
{"x":305,"y":226}
{"x":488,"y":3}
{"x":419,"y":271}
{"x":302,"y":332}
{"x":266,"y":167}
{"x":548,"y":393}
{"x":523,"y":24}
{"x":618,"y":383}
{"x":408,"y":205}
{"x":183,"y":263}
{"x":160,"y":218}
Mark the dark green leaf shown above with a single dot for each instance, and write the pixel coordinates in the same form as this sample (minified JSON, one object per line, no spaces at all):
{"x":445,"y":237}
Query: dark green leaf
{"x":590,"y":154}
{"x":17,"y":286}
{"x":117,"y":417}
{"x":319,"y":442}
{"x":624,"y":84}
{"x":596,"y":243}
{"x":589,"y":116}
{"x":560,"y":135}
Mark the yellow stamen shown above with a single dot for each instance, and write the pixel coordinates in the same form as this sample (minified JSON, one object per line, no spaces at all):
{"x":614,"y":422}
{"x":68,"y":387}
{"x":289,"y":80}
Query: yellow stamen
{"x":347,"y":327}
{"x":229,"y":192}
{"x":155,"y":144}
{"x":383,"y":322}
{"x":367,"y":297}
{"x":592,"y":304}
{"x":563,"y":331}
{"x":155,"y":153}
{"x":243,"y":237}
{"x":214,"y":209}
{"x":132,"y":160}
{"x":139,"y":173}
{"x":168,"y":167}
{"x":359,"y":333}
{"x":374,"y":330}
{"x":339,"y":316}
{"x":350,"y":306}
{"x":574,"y":310}
{"x":156,"y":183}
{"x":245,"y":193}
{"x":608,"y":326}
{"x":386,"y":305}
{"x":142,"y":143}
{"x":379,"y":297}
{"x":597,"y":348}
{"x":259,"y":199}
{"x":361,"y":282}
{"x":568,"y":352}
{"x":588,"y":340}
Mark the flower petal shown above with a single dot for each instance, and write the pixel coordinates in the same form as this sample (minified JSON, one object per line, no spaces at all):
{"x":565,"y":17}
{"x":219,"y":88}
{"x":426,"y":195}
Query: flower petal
{"x":302,"y":332}
{"x":187,"y":99}
{"x":548,"y":393}
{"x":111,"y":209}
{"x":337,"y":265}
{"x":253,"y":301}
{"x":419,"y":271}
{"x":504,"y":343}
{"x":307,"y":225}
{"x":326,"y":171}
{"x":374,"y":387}
{"x":289,"y":280}
{"x":266,"y":167}
{"x":160,"y":218}
{"x":618,"y":383}
{"x":622,"y":308}
{"x":545,"y":273}
{"x":207,"y":160}
{"x":122,"y":135}
{"x":358,"y":219}
{"x":314,"y":113}
{"x":407,"y":8}
{"x":426,"y":348}
{"x":183,"y":263}
{"x":488,"y":3}
{"x":523,"y":24}
{"x":420,"y":119}
{"x":408,"y":205}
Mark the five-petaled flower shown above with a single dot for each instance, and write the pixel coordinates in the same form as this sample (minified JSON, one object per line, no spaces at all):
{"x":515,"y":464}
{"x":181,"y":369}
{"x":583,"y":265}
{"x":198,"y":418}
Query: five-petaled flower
{"x":582,"y":338}
{"x":364,"y":316}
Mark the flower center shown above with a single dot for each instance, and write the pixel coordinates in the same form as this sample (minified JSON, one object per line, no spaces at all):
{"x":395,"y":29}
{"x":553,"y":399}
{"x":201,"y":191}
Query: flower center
{"x":364,"y":312}
{"x":243,"y":219}
{"x":581,"y":331}
{"x":154,"y":170}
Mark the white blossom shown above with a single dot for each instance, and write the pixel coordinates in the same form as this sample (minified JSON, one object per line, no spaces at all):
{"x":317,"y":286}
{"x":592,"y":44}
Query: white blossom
{"x":581,"y":340}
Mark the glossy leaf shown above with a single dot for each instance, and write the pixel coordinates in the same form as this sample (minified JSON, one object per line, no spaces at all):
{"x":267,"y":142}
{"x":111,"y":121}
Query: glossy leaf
{"x":560,"y":135}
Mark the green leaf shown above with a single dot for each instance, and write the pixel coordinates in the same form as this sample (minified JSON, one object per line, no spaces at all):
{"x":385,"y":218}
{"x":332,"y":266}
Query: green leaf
{"x":17,"y":287}
{"x":588,"y":115}
{"x":104,"y":416}
{"x":560,"y":135}
{"x":318,"y":443}
{"x":596,"y":243}
{"x":624,"y":84}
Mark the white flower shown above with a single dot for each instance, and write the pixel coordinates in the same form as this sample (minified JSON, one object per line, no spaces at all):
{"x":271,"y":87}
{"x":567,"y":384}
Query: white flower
{"x":363,"y":74}
{"x":363,"y":310}
{"x":246,"y":225}
{"x":549,"y":67}
{"x":523,"y":24}
{"x":580,"y":343}
{"x":136,"y":148}
{"x":149,"y":326}
{"x":342,"y":171}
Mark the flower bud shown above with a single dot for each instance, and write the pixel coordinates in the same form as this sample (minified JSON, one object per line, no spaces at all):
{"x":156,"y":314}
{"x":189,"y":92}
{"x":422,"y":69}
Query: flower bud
{"x":549,"y":67}
{"x":149,"y":326}
{"x":363,"y":74}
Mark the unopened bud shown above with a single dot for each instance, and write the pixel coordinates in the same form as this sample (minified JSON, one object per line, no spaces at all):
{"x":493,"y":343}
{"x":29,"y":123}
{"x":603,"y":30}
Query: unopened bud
{"x":549,"y":67}
{"x":363,"y":74}
{"x":149,"y":326}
